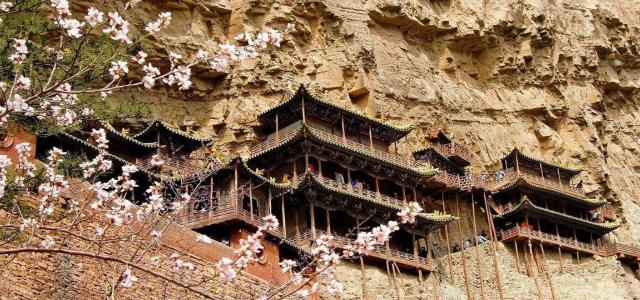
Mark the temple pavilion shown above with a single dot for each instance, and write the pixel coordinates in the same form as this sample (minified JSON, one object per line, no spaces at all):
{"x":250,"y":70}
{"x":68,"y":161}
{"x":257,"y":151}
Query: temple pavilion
{"x":538,"y":202}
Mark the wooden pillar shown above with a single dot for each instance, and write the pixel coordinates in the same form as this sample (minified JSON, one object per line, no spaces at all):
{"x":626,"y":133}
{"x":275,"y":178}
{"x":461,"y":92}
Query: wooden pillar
{"x":446,"y":235}
{"x":547,"y":274}
{"x":282,"y":211}
{"x":541,"y":172}
{"x":304,"y":117}
{"x":517,"y":164}
{"x":494,"y":252}
{"x":377,"y":186}
{"x":370,"y":138}
{"x":313,"y":220}
{"x":295,"y":217}
{"x":344,"y":134}
{"x":270,"y":211}
{"x":349,"y":187}
{"x":250,"y":198}
{"x":306,"y":162}
{"x":277,"y":129}
{"x":559,"y":249}
{"x":559,"y":179}
{"x":328,"y":221}
{"x":575,"y":241}
{"x":477,"y":249}
{"x":463,"y":255}
{"x":515,"y":244}
{"x":320,"y":168}
{"x":295,"y":171}
{"x":535,"y":278}
{"x":211,"y":195}
{"x":415,"y":195}
{"x":235,"y":176}
{"x":404,"y":195}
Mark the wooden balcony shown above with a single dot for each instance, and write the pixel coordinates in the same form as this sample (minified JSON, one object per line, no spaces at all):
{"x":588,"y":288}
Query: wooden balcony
{"x":454,"y":152}
{"x":362,"y":191}
{"x":178,"y":166}
{"x":510,"y":175}
{"x":289,"y":131}
{"x":379,"y":252}
{"x":221,"y":211}
{"x":549,"y":239}
{"x":275,"y":139}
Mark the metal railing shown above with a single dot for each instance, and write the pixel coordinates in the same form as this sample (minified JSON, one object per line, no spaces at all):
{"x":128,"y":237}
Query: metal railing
{"x":451,"y":149}
{"x":379,"y":251}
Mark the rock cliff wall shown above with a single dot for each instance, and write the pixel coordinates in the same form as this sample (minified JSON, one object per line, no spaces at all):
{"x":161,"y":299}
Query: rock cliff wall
{"x":558,"y":79}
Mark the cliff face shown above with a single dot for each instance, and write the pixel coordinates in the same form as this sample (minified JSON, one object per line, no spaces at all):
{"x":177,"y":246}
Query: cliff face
{"x":558,"y":79}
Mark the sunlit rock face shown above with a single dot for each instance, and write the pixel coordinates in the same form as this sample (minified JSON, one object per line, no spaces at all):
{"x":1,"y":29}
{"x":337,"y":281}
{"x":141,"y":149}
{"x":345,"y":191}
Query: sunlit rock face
{"x":558,"y":79}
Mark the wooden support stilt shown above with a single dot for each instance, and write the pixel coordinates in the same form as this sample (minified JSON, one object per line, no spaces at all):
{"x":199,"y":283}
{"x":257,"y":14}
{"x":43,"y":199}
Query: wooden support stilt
{"x":477,"y":249}
{"x":250,"y":199}
{"x":545,"y":269}
{"x":446,"y":235}
{"x":535,"y":278}
{"x":560,"y":259}
{"x":494,"y":252}
{"x":463,"y":254}
{"x":277,"y":129}
{"x":284,"y":220}
{"x":328,"y":221}
{"x":526,"y":261}
{"x":364,"y":279}
{"x":295,"y":217}
{"x":313,"y":220}
{"x":515,"y":244}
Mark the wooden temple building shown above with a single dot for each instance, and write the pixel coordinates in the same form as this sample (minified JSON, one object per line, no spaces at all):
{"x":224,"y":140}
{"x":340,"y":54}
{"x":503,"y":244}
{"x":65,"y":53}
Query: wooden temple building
{"x":323,"y":169}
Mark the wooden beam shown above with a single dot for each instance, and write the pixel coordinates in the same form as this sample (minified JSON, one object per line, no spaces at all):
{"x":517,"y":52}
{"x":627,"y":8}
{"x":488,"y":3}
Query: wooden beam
{"x":463,"y":255}
{"x":328,"y":221}
{"x":284,"y":220}
{"x":313,"y":220}
{"x":446,"y":235}
{"x":477,"y":249}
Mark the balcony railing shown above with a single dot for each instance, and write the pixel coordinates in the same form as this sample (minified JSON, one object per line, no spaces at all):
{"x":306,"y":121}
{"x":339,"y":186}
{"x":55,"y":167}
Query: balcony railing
{"x":182,"y":166}
{"x":290,"y":130}
{"x":227,"y":207}
{"x":451,"y":150}
{"x":275,"y":138}
{"x":361,"y":191}
{"x":380,"y":252}
{"x":549,"y":239}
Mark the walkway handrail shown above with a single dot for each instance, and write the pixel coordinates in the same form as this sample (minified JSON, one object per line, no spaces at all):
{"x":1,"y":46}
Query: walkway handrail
{"x":379,"y":251}
{"x":362,"y":191}
{"x":394,"y":158}
{"x":452,"y":149}
{"x":274,"y":139}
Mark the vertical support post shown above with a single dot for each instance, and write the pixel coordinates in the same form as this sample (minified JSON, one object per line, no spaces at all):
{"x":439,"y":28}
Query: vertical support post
{"x":320,"y":168}
{"x":404,"y":195}
{"x":475,"y":242}
{"x":328,"y":221}
{"x":446,"y":235}
{"x":559,"y":249}
{"x":284,"y":220}
{"x":277,"y":129}
{"x":515,"y":244}
{"x":344,"y":134}
{"x":517,"y":164}
{"x":251,"y":199}
{"x":304,"y":117}
{"x":462,"y":253}
{"x":559,"y":179}
{"x":270,"y":211}
{"x":377,"y":187}
{"x":295,"y":217}
{"x":313,"y":220}
{"x":541,"y":172}
{"x":306,"y":161}
{"x":295,"y":170}
{"x":535,"y":278}
{"x":370,"y":138}
{"x":235,"y":176}
{"x":349,"y":187}
{"x":493,"y":246}
{"x":211,"y":195}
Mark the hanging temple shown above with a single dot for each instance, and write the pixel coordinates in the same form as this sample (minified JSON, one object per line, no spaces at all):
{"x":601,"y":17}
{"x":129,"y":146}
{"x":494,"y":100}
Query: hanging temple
{"x":324,"y":169}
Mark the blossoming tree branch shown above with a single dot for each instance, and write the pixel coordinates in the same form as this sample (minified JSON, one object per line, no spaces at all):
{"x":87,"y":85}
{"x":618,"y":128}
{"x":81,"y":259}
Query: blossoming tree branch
{"x":68,"y":54}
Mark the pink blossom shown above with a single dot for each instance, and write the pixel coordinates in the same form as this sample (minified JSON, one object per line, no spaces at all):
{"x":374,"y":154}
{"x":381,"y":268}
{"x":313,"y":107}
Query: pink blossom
{"x":94,"y":16}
